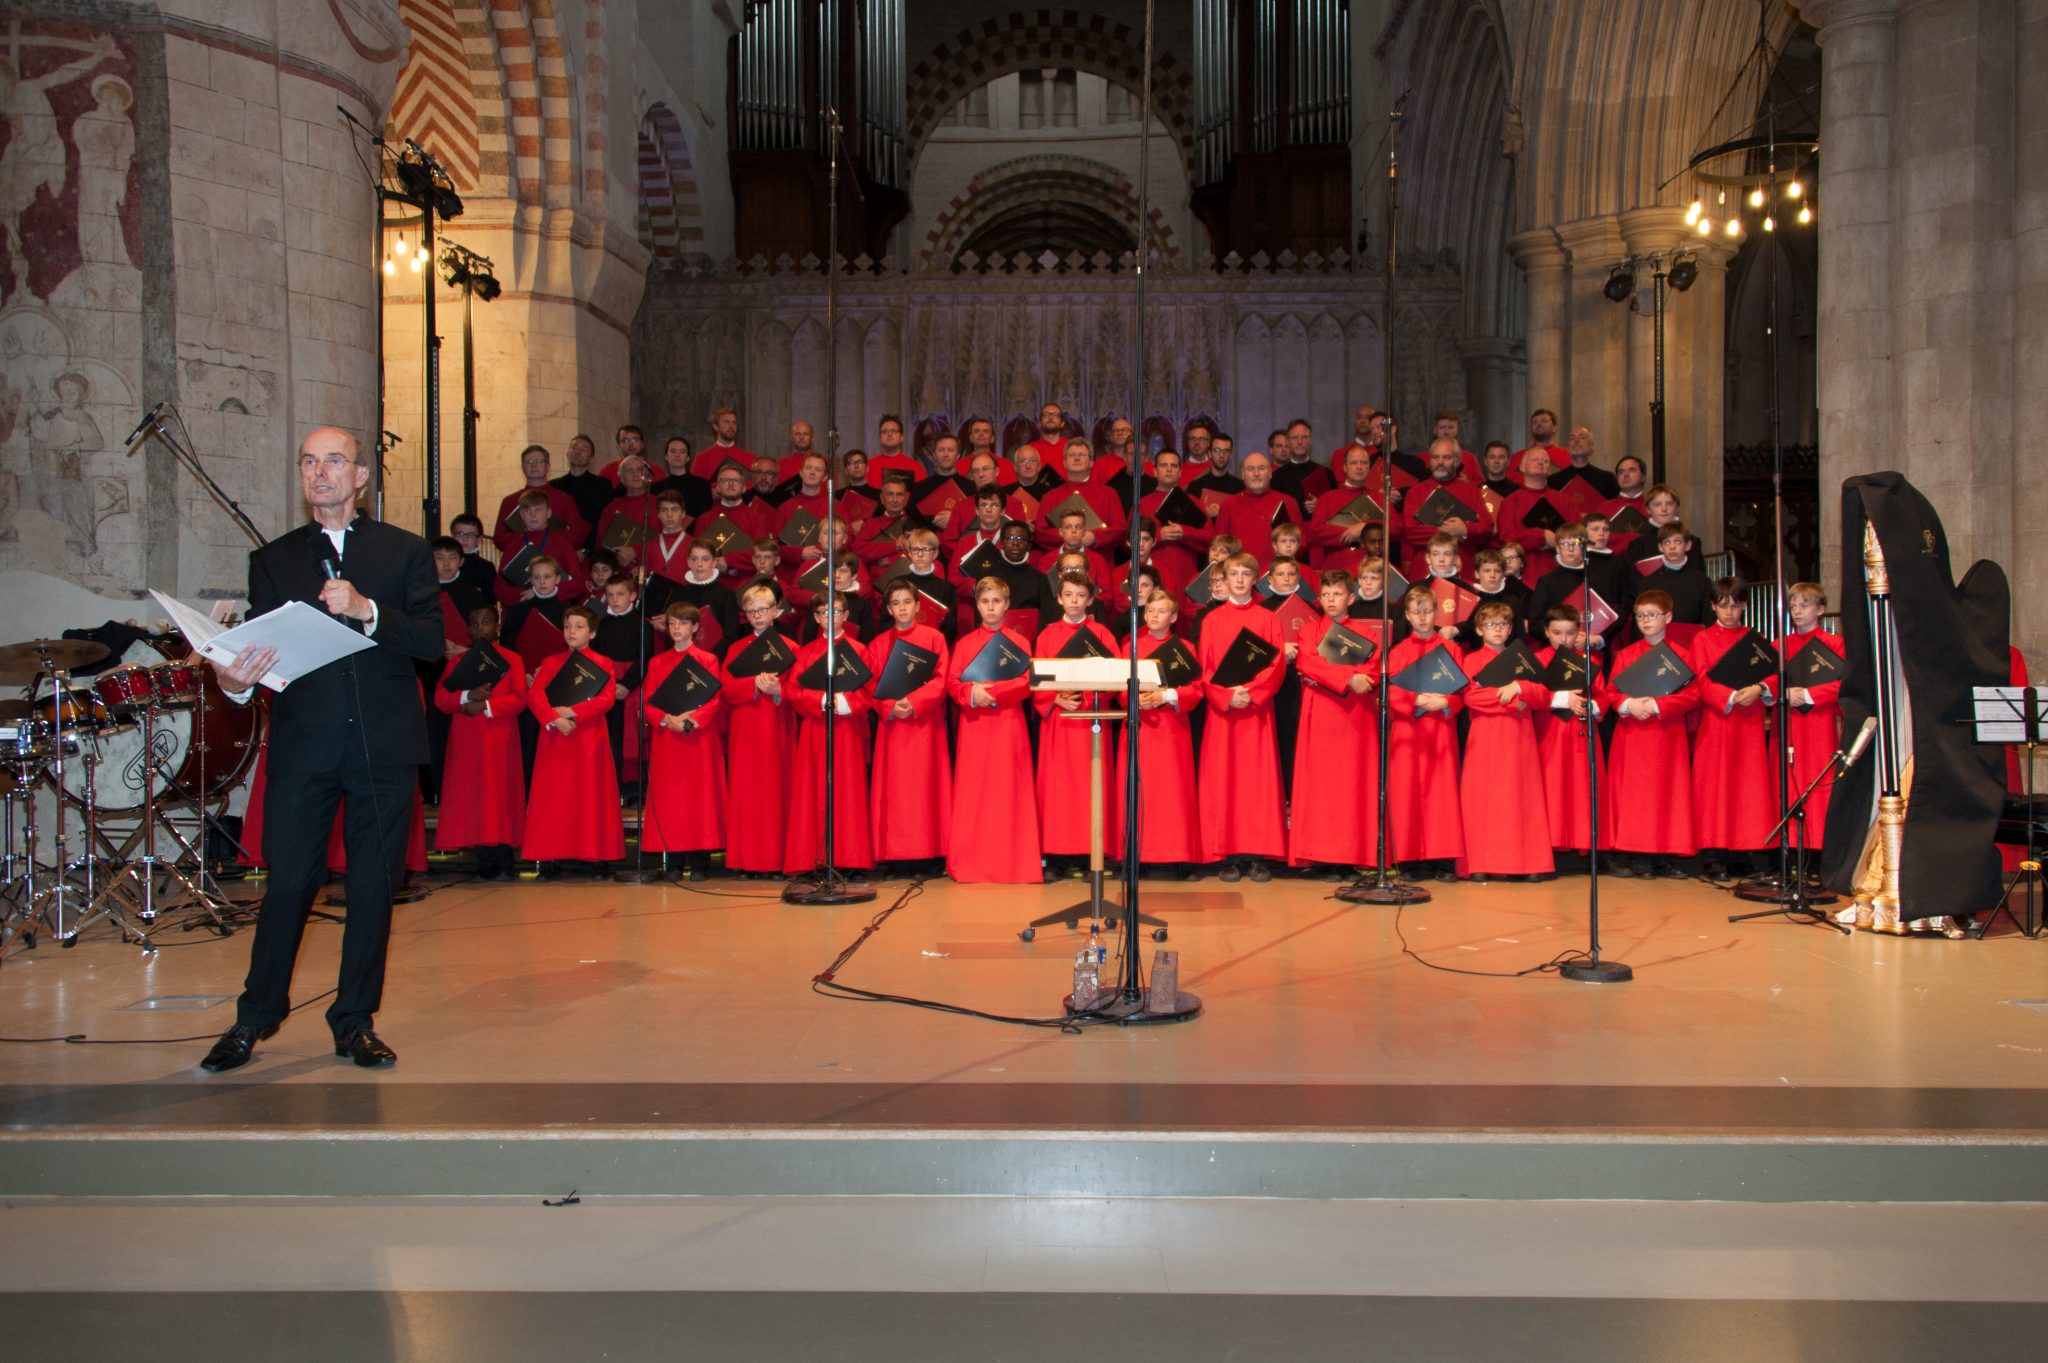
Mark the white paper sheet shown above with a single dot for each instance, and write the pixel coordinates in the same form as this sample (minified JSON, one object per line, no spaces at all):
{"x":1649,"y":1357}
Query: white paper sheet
{"x":306,"y":637}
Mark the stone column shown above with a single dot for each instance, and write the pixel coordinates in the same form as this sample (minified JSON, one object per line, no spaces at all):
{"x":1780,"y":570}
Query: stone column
{"x":1661,"y":232}
{"x":1597,"y":394}
{"x":1490,"y":369}
{"x":2030,"y":345}
{"x":1542,"y":260}
{"x":1856,"y":385}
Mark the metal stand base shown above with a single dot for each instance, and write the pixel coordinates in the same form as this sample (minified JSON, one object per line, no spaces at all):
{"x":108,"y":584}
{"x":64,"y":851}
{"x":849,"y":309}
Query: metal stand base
{"x":640,"y":875}
{"x":1596,"y":972}
{"x":1106,"y":911}
{"x":1799,"y":908}
{"x":1127,"y":1012}
{"x":826,"y":890}
{"x":1768,"y":889}
{"x":1382,"y":888}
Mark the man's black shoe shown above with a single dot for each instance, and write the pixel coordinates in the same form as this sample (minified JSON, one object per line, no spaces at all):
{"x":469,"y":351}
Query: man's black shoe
{"x":366,"y":1050}
{"x":235,"y":1048}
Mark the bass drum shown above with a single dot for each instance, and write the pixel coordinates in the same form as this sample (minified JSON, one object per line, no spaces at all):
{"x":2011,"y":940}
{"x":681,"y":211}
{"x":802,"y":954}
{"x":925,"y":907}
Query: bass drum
{"x":229,"y":731}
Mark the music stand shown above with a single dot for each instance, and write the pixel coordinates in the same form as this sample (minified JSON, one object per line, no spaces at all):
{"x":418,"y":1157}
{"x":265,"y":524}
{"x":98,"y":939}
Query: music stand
{"x":2003,"y":715}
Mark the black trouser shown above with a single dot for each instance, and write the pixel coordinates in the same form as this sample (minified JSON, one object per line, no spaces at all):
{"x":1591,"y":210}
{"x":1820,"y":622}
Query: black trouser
{"x":298,"y":815}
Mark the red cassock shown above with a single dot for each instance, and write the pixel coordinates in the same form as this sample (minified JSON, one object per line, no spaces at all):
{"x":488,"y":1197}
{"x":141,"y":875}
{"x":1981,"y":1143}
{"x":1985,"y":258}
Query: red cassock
{"x":572,"y":804}
{"x":642,"y":508}
{"x":1647,"y":804}
{"x":561,"y":506}
{"x":1415,"y":535}
{"x":2015,"y":780}
{"x":994,"y":834}
{"x":668,"y":555}
{"x":1045,"y":534}
{"x":1168,"y":827}
{"x":1063,"y":748}
{"x":759,"y":736}
{"x":803,"y":844}
{"x":1186,"y":550}
{"x":557,"y":546}
{"x":483,"y":789}
{"x":706,"y":463}
{"x":1561,"y":752}
{"x":1240,"y":761}
{"x":911,"y":803}
{"x":1251,"y":518}
{"x":793,"y":554}
{"x":755,"y":520}
{"x":1734,"y":780}
{"x":1816,"y":733}
{"x":1511,"y":526}
{"x":1325,"y":538}
{"x":1620,"y":543}
{"x":1422,"y":767}
{"x":415,"y":843}
{"x":337,"y":859}
{"x":1507,"y":829}
{"x":1099,"y":572}
{"x":1334,"y":817}
{"x":685,"y":808}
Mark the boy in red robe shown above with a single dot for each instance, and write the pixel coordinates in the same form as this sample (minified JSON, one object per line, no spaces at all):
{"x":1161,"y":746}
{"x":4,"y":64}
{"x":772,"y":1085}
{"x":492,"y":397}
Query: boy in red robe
{"x":803,"y":847}
{"x":1646,"y":809}
{"x":1425,"y":825}
{"x":1561,"y":741}
{"x":533,"y":532}
{"x":1169,"y":832}
{"x":912,"y":800}
{"x":1334,"y":816}
{"x":685,"y":807}
{"x":1063,"y":744}
{"x":484,"y":805}
{"x":1507,"y":833}
{"x":1734,"y":781}
{"x":995,"y":816}
{"x":1815,"y":728}
{"x":1242,"y":821}
{"x":759,"y":733}
{"x":667,"y":552}
{"x":572,"y":811}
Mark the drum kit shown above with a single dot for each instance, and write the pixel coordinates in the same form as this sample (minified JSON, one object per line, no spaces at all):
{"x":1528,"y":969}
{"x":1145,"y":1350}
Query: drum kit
{"x":97,"y":773}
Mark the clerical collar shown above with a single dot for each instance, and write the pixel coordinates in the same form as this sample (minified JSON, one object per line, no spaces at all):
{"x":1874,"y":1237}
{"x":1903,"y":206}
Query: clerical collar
{"x":916,"y":571}
{"x":616,"y":615}
{"x":697,"y":581}
{"x":1489,"y":591}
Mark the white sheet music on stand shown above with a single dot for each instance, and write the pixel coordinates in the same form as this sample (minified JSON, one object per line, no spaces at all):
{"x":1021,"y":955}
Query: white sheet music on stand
{"x":306,"y":638}
{"x":1091,"y":674}
{"x":2001,"y":712}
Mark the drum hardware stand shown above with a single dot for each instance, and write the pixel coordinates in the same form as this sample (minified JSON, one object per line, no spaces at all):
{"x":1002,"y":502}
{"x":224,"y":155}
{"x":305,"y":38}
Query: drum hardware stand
{"x":95,"y":897}
{"x":1795,"y":901}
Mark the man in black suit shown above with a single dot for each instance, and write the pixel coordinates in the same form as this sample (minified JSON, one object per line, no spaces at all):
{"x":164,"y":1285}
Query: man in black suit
{"x":355,"y":728}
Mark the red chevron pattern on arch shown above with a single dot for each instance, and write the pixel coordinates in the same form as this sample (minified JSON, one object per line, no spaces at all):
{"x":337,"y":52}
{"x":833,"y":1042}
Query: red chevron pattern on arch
{"x":435,"y":103}
{"x":671,"y":216}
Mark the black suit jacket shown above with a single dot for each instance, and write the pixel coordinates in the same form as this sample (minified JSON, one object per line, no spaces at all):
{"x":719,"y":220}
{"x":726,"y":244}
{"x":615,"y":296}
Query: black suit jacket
{"x":370,"y":698}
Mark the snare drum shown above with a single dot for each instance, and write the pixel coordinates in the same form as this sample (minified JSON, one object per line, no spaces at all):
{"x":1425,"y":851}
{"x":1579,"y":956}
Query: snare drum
{"x":123,"y":690}
{"x":176,"y":685}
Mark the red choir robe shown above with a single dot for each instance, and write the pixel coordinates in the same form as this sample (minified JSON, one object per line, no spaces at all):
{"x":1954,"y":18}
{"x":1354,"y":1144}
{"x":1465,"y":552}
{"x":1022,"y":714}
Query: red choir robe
{"x":706,"y":463}
{"x":1734,"y":779}
{"x":1647,"y":805}
{"x":685,"y":806}
{"x":557,"y":546}
{"x":1507,"y":830}
{"x":2012,"y":854}
{"x":754,"y":519}
{"x":1099,"y":571}
{"x":415,"y":843}
{"x":1510,"y":526}
{"x":1063,"y":748}
{"x":1242,"y":814}
{"x":1422,"y":767}
{"x":572,"y":804}
{"x":1251,"y":519}
{"x":507,"y":529}
{"x":483,"y":790}
{"x":994,"y":828}
{"x":1561,"y":754}
{"x":1815,"y":731}
{"x":1179,"y":555}
{"x":1169,"y":829}
{"x":668,"y":555}
{"x":911,"y":802}
{"x":1415,"y":534}
{"x":803,"y":844}
{"x":1046,"y":532}
{"x":641,"y":508}
{"x":1323,"y":538}
{"x":1334,"y":816}
{"x":760,"y":733}
{"x":1617,"y":542}
{"x":337,"y":860}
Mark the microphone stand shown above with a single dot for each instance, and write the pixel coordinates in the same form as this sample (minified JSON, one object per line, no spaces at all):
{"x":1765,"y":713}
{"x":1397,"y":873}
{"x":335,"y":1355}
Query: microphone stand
{"x":1797,"y":902}
{"x":1592,"y":970}
{"x":1383,"y":885}
{"x":153,"y":425}
{"x":827,"y":884}
{"x":640,"y":874}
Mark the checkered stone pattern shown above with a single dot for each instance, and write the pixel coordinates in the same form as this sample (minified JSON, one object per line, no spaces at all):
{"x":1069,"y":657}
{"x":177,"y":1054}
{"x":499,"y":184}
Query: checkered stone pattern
{"x":671,"y":215}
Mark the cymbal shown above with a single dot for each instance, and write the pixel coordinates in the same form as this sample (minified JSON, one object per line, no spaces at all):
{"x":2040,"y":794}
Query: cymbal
{"x":21,"y":662}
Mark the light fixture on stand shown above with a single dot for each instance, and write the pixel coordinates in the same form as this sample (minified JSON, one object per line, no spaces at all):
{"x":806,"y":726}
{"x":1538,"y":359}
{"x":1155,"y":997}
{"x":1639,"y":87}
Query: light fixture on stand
{"x":466,"y":270}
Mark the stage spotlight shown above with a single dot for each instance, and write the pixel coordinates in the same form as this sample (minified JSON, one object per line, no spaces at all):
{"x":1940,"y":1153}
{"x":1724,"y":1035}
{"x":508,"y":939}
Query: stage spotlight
{"x":1685,"y":271}
{"x":1620,"y":285}
{"x":426,"y":183}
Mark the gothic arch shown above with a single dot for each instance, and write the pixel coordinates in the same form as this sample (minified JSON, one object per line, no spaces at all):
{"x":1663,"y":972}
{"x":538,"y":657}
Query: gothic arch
{"x":671,"y":213}
{"x":1073,"y":180}
{"x":1024,"y":40}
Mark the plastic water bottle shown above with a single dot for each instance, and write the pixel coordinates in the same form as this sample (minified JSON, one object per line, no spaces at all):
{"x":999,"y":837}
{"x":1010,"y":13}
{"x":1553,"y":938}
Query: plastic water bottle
{"x":1096,"y":946}
{"x":1087,"y":980}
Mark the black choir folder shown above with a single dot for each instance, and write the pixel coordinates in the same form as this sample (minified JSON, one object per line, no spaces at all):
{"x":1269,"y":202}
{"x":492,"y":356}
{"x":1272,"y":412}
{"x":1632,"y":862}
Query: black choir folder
{"x":690,"y":687}
{"x":1515,"y":663}
{"x":1815,"y":665}
{"x":1177,"y":508}
{"x":1657,"y":673}
{"x":1346,"y":647}
{"x":909,"y":667}
{"x":1542,"y":515}
{"x":1083,"y":644}
{"x":1435,"y":673}
{"x":1249,"y":654}
{"x":1751,"y":661}
{"x":767,"y":653}
{"x":517,"y":568}
{"x":1177,"y":663}
{"x":722,"y":537}
{"x":999,"y":660}
{"x":483,"y":665}
{"x":1567,"y":671}
{"x":583,"y":677}
{"x":849,"y":671}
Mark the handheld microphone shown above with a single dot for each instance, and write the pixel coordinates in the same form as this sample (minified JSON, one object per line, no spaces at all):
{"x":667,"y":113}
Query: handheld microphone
{"x":148,"y":420}
{"x":324,"y":555}
{"x":1863,"y":737}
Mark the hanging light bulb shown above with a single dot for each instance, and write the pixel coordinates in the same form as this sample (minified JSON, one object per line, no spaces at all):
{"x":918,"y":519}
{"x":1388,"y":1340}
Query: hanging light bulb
{"x":1770,"y":223}
{"x":1734,"y":227}
{"x":1703,"y":226}
{"x":1692,"y":214}
{"x":390,"y":266}
{"x":420,"y":258}
{"x":417,"y":264}
{"x":1805,"y":213}
{"x":1794,"y":190}
{"x":1756,"y":197}
{"x":1720,"y":196}
{"x":398,"y":244}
